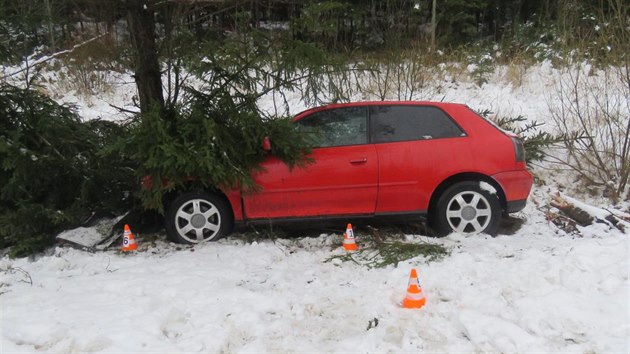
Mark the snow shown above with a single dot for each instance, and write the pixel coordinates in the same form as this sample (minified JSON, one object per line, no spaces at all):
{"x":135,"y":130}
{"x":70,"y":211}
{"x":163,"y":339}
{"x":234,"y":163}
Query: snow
{"x":87,"y":236}
{"x":595,"y":212}
{"x":487,"y":187}
{"x":530,"y":92}
{"x":538,"y":290}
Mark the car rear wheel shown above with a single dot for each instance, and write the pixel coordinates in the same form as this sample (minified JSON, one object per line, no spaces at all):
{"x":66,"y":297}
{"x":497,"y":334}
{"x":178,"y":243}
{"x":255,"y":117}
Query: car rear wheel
{"x":467,"y":208}
{"x":198,"y":217}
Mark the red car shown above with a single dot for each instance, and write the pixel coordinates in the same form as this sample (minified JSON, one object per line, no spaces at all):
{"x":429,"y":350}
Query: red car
{"x":439,"y":161}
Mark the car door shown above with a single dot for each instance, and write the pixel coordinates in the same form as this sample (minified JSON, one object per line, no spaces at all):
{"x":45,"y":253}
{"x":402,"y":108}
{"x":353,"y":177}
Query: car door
{"x":417,"y":147}
{"x":342,"y":180}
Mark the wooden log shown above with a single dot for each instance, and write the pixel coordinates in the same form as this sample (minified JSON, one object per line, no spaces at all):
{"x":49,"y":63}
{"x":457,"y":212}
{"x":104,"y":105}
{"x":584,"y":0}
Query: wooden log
{"x":580,"y":216}
{"x":584,"y":217}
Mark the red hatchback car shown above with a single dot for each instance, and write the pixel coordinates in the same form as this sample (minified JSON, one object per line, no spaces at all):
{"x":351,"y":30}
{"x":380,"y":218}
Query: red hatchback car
{"x":439,"y":161}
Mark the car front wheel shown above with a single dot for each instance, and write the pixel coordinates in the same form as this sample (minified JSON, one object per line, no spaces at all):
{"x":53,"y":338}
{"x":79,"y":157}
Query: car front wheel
{"x":198,"y":217}
{"x":467,"y":208}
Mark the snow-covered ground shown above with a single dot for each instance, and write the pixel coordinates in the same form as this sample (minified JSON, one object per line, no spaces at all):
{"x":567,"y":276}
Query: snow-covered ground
{"x":538,"y":290}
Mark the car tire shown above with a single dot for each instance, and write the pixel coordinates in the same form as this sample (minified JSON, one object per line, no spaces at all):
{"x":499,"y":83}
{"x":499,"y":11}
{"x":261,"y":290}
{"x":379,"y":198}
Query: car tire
{"x":466,"y":208}
{"x":198,"y":217}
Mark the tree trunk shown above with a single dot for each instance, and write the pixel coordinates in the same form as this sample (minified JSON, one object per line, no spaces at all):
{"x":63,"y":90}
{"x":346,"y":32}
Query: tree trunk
{"x":51,"y":28}
{"x":147,"y":67}
{"x":433,"y":23}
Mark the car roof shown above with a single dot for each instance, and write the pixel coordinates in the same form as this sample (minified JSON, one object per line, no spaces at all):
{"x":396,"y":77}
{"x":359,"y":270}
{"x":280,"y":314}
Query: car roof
{"x":377,"y":103}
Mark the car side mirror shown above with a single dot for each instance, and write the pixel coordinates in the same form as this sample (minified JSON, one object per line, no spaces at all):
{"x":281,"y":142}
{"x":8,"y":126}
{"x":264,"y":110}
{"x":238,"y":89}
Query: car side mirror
{"x":266,"y":144}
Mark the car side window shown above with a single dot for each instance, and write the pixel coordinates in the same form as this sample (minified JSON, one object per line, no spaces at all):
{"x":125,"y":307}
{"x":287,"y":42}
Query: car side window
{"x":336,"y":127}
{"x":404,"y":123}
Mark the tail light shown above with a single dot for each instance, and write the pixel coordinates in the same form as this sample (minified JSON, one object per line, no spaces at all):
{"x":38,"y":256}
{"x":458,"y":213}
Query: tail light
{"x":146,"y":182}
{"x":519,"y":149}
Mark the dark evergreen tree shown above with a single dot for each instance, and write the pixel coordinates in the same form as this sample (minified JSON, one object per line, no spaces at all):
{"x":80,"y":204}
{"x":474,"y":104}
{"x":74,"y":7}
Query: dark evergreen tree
{"x":55,"y":170}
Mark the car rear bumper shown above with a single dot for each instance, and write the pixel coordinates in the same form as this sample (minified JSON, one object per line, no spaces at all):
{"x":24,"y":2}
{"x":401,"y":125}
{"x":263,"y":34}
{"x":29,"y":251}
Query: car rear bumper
{"x":516,"y":185}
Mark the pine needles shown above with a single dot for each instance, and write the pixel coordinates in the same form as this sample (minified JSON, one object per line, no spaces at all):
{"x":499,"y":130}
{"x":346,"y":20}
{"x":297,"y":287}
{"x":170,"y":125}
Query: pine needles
{"x":379,"y":252}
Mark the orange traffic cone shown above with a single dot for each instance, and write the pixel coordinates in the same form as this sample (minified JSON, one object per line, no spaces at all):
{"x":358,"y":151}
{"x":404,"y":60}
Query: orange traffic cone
{"x":415,"y":298}
{"x":129,"y":242}
{"x":348,"y":239}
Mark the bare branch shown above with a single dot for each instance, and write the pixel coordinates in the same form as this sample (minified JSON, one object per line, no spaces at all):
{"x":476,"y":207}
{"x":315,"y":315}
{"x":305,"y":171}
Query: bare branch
{"x":52,"y":56}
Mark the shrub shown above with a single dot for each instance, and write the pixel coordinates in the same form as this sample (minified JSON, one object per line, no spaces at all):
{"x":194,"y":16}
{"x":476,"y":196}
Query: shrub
{"x":596,"y":103}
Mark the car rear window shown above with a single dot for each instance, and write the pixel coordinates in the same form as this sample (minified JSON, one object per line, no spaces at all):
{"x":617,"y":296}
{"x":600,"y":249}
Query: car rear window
{"x":404,"y":123}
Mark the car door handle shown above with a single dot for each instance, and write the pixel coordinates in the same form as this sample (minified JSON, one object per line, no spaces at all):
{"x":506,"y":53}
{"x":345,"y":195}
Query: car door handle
{"x":358,"y":161}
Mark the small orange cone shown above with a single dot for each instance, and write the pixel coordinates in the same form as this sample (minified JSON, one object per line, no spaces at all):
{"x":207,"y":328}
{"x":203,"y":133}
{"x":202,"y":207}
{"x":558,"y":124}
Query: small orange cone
{"x":129,"y":242}
{"x":415,"y":298}
{"x":348,"y":239}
